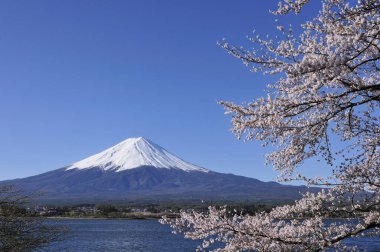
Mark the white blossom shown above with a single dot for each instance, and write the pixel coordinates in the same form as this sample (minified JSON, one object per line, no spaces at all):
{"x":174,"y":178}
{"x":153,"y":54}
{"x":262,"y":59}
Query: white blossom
{"x":328,"y":86}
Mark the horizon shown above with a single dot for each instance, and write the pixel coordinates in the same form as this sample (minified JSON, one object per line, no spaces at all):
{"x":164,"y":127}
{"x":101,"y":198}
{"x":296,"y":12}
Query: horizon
{"x":78,"y":77}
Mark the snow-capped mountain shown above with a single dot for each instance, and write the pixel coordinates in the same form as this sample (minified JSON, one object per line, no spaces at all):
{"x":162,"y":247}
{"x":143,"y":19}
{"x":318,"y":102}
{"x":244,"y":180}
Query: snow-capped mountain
{"x":133,"y":153}
{"x":140,"y":170}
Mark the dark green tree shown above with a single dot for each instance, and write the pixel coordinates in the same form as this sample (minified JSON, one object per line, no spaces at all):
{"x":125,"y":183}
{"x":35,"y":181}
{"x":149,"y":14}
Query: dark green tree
{"x":18,"y":230}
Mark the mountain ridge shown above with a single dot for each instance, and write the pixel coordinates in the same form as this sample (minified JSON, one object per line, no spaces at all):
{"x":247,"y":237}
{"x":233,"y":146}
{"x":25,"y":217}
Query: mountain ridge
{"x":133,"y":153}
{"x":152,"y":175}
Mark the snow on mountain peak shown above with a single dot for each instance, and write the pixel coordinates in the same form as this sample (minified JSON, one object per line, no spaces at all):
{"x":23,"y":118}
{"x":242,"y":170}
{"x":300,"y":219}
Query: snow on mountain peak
{"x":133,"y":153}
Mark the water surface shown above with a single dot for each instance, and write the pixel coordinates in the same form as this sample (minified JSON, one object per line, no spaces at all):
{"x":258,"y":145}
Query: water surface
{"x":94,"y":235}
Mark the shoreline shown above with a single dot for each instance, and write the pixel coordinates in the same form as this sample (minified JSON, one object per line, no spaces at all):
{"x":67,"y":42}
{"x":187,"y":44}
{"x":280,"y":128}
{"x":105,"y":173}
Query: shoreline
{"x":99,"y":218}
{"x":132,"y":217}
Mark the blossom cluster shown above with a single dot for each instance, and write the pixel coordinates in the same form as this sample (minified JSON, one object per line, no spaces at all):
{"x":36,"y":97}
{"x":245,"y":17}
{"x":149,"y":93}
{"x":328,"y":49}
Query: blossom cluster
{"x":327,"y":90}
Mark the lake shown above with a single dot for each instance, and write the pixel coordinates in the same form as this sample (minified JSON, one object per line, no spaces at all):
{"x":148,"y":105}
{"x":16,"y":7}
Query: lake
{"x":141,"y":235}
{"x":119,"y":235}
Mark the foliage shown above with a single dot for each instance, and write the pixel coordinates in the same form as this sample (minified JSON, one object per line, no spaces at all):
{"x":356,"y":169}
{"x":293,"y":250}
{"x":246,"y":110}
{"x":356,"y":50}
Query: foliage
{"x":107,"y":209}
{"x":327,"y":91}
{"x":19,"y":232}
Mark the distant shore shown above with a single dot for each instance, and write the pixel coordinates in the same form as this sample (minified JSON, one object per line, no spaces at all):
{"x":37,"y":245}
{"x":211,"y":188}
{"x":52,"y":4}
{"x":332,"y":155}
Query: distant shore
{"x":142,"y":216}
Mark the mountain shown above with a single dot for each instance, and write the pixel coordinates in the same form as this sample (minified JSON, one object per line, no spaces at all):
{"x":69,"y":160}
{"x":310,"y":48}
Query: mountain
{"x":133,"y":153}
{"x":140,"y":170}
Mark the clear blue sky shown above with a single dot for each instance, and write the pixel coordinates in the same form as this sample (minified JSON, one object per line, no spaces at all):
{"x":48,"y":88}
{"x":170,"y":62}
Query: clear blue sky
{"x":79,"y":76}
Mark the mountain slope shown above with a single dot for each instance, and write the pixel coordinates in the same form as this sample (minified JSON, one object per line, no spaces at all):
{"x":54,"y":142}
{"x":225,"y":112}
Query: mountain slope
{"x":137,"y":170}
{"x":133,"y":153}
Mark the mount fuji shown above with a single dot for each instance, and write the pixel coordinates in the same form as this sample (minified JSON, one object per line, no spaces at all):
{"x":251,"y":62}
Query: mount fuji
{"x":133,"y":153}
{"x":139,"y":170}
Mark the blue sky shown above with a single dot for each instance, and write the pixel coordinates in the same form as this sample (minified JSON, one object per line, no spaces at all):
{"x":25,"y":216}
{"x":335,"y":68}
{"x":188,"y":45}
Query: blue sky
{"x":77,"y":77}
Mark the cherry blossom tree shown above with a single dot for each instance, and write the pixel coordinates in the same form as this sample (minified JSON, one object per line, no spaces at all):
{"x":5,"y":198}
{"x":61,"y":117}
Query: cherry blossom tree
{"x":327,"y":91}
